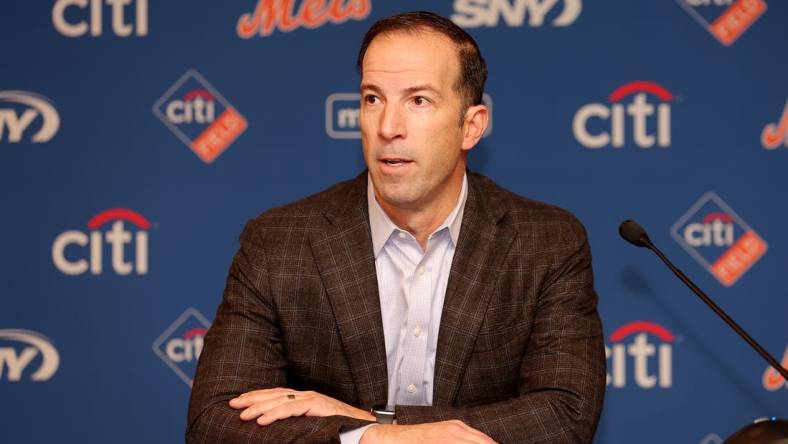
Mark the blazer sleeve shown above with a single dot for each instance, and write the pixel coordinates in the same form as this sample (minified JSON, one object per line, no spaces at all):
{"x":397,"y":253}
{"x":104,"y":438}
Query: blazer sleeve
{"x":243,"y":351}
{"x":562,"y":374}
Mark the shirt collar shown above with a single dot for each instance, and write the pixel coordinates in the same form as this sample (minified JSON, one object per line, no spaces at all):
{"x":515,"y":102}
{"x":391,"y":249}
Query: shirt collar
{"x":382,"y":227}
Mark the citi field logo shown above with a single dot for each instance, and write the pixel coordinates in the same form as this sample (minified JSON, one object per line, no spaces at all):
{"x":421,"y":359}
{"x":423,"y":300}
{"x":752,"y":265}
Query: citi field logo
{"x":18,"y":357}
{"x":87,"y":17}
{"x":282,"y":15}
{"x":633,"y":356}
{"x":487,"y":13}
{"x":772,"y":380}
{"x":18,"y":111}
{"x":721,"y":241}
{"x":598,"y":125}
{"x":726,"y":20}
{"x":775,"y":135}
{"x":343,"y":115}
{"x":181,"y":344}
{"x":199,"y":116}
{"x":76,"y":252}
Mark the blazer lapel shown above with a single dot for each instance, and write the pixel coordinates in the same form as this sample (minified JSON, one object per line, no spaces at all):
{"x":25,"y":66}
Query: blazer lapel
{"x":344,"y":256}
{"x":482,"y":245}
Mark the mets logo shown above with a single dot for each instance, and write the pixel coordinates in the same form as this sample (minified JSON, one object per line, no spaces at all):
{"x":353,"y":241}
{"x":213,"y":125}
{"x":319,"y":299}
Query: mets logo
{"x":283,"y":15}
{"x":721,"y":241}
{"x":597,"y":125}
{"x":775,"y":135}
{"x":199,"y":116}
{"x":772,"y":380}
{"x":726,"y":20}
{"x":181,"y":344}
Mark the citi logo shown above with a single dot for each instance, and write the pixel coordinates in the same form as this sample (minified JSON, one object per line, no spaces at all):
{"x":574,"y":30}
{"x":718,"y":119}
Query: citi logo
{"x":70,"y":257}
{"x":199,"y":116}
{"x":716,"y":229}
{"x":343,"y":115}
{"x":772,"y":380}
{"x":27,"y":346}
{"x":19,"y":109}
{"x":610,"y":121}
{"x":487,"y":13}
{"x":775,"y":135}
{"x":282,"y":15}
{"x":719,"y":239}
{"x":84,"y":21}
{"x":197,"y":106}
{"x":180,"y":345}
{"x":726,"y":20}
{"x":632,"y":355}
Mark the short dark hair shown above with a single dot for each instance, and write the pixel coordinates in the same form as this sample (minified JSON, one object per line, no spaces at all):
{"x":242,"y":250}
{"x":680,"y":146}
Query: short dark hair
{"x":473,"y":69}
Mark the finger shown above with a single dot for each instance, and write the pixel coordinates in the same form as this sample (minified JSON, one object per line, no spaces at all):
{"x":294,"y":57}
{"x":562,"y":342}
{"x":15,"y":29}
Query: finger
{"x":258,"y":396}
{"x":261,"y":408}
{"x":285,"y":410}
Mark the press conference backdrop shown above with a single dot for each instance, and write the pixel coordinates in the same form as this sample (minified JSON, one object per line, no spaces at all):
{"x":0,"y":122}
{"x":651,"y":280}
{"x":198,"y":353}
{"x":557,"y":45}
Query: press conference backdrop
{"x":139,"y":136}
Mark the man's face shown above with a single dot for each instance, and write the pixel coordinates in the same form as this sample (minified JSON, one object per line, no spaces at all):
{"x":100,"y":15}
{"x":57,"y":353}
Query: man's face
{"x":410,"y":129}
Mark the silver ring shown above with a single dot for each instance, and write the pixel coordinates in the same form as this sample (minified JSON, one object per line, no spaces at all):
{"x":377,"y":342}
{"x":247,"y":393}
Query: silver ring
{"x":291,"y":397}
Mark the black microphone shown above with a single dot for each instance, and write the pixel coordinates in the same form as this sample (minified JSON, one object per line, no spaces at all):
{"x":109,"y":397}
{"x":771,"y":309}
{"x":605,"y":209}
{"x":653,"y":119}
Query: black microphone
{"x":633,"y":233}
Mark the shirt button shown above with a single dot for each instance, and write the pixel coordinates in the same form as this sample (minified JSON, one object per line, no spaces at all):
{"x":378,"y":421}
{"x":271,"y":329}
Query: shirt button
{"x":411,"y":389}
{"x":417,"y":332}
{"x":401,"y":235}
{"x":420,"y":271}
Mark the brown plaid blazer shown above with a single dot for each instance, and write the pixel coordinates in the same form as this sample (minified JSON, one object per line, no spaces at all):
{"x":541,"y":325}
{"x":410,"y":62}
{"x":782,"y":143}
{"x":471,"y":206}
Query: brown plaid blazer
{"x":520,"y":352}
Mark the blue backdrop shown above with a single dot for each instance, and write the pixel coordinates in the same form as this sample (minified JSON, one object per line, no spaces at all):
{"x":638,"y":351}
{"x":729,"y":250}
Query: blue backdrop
{"x":138,"y":138}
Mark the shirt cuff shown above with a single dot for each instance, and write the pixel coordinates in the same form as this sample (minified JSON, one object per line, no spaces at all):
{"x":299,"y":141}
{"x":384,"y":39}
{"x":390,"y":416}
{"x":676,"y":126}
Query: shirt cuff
{"x":354,"y":436}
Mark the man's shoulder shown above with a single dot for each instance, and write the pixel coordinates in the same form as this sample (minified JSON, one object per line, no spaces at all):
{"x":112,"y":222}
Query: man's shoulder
{"x":309,"y":211}
{"x":520,"y":210}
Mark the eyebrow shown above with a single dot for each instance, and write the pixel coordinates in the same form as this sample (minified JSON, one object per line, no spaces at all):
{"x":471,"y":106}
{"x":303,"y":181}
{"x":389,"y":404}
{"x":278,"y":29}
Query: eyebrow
{"x":409,"y":90}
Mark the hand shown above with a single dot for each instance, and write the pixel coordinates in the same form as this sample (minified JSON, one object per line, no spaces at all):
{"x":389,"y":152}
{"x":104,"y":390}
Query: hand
{"x":271,"y":405}
{"x":433,"y":432}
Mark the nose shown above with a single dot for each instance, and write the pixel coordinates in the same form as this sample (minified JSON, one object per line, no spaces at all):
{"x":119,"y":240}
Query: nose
{"x":392,"y":123}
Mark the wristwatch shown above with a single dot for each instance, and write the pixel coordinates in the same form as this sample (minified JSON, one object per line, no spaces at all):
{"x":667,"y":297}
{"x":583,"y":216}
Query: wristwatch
{"x":384,"y":414}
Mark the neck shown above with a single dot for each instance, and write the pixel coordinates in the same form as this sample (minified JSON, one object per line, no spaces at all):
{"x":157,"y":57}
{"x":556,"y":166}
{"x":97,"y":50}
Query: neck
{"x":423,"y":219}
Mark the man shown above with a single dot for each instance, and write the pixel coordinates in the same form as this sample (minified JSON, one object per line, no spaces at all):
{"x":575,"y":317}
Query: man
{"x":470,"y":311}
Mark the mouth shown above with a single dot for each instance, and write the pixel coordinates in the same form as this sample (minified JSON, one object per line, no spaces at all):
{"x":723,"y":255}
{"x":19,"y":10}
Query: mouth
{"x":395,"y":161}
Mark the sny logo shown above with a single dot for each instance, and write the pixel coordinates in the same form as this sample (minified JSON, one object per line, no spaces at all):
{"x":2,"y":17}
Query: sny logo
{"x":32,"y":106}
{"x":201,"y":118}
{"x":117,"y":237}
{"x":343,"y":115}
{"x":97,"y":10}
{"x":772,"y":380}
{"x":14,"y":360}
{"x":640,"y":110}
{"x":726,"y":20}
{"x":775,"y":135}
{"x":181,"y":344}
{"x":640,"y":350}
{"x":477,"y":13}
{"x":278,"y":14}
{"x":718,"y":239}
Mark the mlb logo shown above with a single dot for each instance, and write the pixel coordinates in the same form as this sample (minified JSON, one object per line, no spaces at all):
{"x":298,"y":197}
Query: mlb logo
{"x":201,"y":117}
{"x":181,"y":344}
{"x":718,"y":239}
{"x":726,"y":20}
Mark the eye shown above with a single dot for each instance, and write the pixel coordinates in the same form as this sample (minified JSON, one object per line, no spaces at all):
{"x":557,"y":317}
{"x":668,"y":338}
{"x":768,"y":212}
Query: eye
{"x":370,"y":99}
{"x":421,"y":101}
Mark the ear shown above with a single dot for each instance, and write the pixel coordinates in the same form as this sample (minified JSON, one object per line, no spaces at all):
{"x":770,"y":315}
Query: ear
{"x":475,"y":122}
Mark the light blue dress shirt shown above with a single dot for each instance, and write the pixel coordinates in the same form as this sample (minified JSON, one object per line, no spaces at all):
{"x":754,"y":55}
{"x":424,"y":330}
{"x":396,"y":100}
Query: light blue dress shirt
{"x":412,"y":285}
